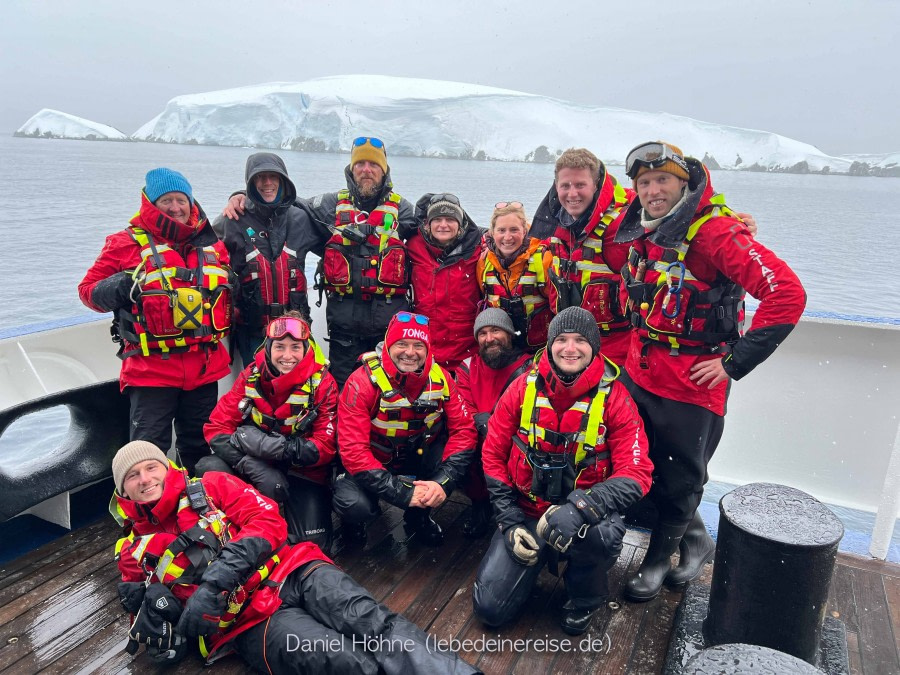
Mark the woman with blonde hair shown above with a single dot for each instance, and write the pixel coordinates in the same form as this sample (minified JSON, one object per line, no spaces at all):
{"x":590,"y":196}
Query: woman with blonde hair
{"x":513,"y":273}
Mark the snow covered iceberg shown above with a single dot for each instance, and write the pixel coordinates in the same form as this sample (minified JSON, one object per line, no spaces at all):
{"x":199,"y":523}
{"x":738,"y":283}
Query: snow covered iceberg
{"x":431,"y":118}
{"x":48,"y":123}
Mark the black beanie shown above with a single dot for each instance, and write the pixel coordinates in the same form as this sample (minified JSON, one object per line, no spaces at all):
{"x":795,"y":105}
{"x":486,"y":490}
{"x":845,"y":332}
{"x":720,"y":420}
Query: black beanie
{"x":575,"y":320}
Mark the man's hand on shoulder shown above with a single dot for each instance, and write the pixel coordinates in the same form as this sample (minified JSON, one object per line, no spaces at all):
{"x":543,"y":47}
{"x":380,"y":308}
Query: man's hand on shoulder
{"x":235,"y":207}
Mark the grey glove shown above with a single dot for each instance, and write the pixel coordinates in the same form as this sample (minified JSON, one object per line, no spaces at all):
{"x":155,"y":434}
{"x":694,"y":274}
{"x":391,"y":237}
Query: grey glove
{"x":301,"y":451}
{"x":255,"y":442}
{"x":522,"y":545}
{"x":113,"y":292}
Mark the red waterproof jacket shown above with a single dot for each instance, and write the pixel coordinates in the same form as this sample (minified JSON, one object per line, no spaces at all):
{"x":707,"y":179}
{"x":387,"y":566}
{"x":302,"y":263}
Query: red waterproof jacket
{"x":721,"y":251}
{"x":184,"y":370}
{"x":622,"y":455}
{"x":481,"y":386}
{"x":445,"y":289}
{"x":227,"y":416}
{"x":247,"y":525}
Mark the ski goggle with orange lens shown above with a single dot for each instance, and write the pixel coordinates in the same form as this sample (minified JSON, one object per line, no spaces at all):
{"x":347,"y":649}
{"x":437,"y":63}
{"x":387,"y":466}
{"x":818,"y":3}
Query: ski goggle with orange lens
{"x":652,"y":155}
{"x":409,"y":317}
{"x":288,"y":325}
{"x":514,"y":205}
{"x":363,"y":140}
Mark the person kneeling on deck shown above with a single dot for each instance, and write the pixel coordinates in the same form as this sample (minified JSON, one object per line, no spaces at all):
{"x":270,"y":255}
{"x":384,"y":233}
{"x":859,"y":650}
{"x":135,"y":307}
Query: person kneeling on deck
{"x":404,"y":433}
{"x":565,"y":454}
{"x":276,"y":428}
{"x":206,"y":557}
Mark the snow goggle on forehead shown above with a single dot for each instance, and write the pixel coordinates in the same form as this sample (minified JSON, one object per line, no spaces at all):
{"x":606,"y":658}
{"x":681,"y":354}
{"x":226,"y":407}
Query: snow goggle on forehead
{"x":370,"y":140}
{"x":409,"y":317}
{"x":288,"y":325}
{"x":652,"y":155}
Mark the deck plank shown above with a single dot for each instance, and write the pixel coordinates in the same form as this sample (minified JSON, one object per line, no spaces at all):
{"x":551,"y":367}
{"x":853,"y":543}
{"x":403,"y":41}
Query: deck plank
{"x":877,"y":646}
{"x":892,"y":591}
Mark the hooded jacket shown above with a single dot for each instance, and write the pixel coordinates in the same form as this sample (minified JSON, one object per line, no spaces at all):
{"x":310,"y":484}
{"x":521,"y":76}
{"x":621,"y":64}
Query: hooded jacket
{"x":203,"y":363}
{"x":722,"y":251}
{"x":445,"y":287}
{"x":619,"y":479}
{"x":267,"y":246}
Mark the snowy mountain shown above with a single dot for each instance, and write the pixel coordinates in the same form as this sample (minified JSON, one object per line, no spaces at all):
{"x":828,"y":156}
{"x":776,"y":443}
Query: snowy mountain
{"x":887,"y":164}
{"x":48,"y":123}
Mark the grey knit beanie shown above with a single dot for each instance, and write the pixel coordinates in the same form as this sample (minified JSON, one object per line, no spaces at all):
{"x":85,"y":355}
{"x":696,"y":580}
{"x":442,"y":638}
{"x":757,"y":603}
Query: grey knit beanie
{"x":132,"y":453}
{"x":494,"y":316}
{"x":575,"y":320}
{"x":444,"y":207}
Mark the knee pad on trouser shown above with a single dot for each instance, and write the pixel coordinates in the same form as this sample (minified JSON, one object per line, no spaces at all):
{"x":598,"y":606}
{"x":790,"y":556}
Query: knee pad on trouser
{"x":212,"y":463}
{"x":352,"y":503}
{"x":308,"y":512}
{"x":264,"y":477}
{"x":293,"y":641}
{"x":502,"y":586}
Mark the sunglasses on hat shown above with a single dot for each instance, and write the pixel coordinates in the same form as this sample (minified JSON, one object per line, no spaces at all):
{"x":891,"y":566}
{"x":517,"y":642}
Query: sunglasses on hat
{"x":371,"y":140}
{"x":651,"y":155}
{"x":503,"y":205}
{"x":288,"y":325}
{"x":409,"y":317}
{"x":444,"y":197}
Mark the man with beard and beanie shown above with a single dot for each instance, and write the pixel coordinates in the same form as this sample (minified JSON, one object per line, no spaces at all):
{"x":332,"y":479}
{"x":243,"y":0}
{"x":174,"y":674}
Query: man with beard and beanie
{"x":404,"y":434}
{"x":276,"y":428}
{"x":364,"y":268}
{"x":206,"y":558}
{"x":444,"y":254}
{"x":267,"y":247}
{"x":565,"y":455}
{"x":170,"y":292}
{"x":691,"y":260}
{"x":482,"y":379}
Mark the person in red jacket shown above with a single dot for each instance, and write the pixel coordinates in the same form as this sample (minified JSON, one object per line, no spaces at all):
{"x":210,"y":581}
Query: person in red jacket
{"x":404,"y":434}
{"x":170,"y":292}
{"x":444,"y":254}
{"x":565,"y":455}
{"x":206,"y":558}
{"x":482,"y":379}
{"x":276,"y":428}
{"x":690,"y":263}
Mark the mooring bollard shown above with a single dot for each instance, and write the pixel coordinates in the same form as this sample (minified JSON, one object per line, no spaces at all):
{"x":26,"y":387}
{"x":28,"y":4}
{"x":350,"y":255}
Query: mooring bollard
{"x":738,"y":659}
{"x":774,"y":560}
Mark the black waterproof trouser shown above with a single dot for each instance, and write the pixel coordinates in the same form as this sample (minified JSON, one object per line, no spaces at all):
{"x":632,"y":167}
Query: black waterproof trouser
{"x":307,"y":505}
{"x":153,"y":409}
{"x":682,"y":439}
{"x":328,"y":623}
{"x":503,"y":586}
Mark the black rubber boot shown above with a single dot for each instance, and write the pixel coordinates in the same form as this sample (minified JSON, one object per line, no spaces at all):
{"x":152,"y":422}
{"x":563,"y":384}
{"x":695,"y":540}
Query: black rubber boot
{"x":419,"y":521}
{"x":479,"y":521}
{"x":696,"y":549}
{"x":646,"y":584}
{"x":575,"y":620}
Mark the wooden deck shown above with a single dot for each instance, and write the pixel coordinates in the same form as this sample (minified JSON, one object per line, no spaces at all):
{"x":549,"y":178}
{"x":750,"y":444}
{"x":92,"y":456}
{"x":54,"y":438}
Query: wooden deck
{"x":59,"y":610}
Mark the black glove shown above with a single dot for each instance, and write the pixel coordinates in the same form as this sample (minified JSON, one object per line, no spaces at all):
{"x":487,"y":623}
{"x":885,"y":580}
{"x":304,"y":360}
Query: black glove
{"x":223,"y":447}
{"x":301,"y":451}
{"x":153,"y":624}
{"x":113,"y":292}
{"x":131,"y":595}
{"x":521,"y":544}
{"x":481,"y":424}
{"x":561,"y":524}
{"x":202,"y":612}
{"x":255,"y":442}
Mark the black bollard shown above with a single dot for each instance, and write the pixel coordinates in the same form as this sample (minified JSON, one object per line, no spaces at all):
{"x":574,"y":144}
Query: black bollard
{"x":738,"y":659}
{"x":774,"y":560}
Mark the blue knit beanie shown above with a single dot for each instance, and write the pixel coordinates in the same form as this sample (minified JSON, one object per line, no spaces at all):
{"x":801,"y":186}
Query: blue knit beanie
{"x":160,"y":181}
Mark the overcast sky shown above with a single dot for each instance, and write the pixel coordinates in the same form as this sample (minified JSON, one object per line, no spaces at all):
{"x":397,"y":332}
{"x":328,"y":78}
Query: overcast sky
{"x":824,"y":71}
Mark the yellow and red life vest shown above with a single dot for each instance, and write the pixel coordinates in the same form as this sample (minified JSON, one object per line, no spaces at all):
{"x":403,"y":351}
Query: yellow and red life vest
{"x":167,"y":317}
{"x":365,"y":255}
{"x":584,"y":266}
{"x":288,"y":417}
{"x":672,"y":306}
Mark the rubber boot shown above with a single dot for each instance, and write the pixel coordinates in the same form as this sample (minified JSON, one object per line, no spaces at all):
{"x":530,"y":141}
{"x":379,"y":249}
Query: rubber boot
{"x":419,"y":521}
{"x":696,"y":549}
{"x":648,"y":581}
{"x":479,"y":521}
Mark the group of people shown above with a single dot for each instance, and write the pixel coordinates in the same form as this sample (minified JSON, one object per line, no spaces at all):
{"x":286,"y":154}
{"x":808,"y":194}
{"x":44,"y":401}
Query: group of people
{"x":558,"y":373}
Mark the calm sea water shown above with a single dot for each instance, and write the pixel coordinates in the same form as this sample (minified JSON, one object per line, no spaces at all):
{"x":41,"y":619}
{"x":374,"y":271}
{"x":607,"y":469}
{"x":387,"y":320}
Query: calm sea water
{"x":59,"y":199}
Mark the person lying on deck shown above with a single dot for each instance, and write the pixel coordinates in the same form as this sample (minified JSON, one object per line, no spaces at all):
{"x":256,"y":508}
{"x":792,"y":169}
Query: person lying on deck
{"x":206,"y":558}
